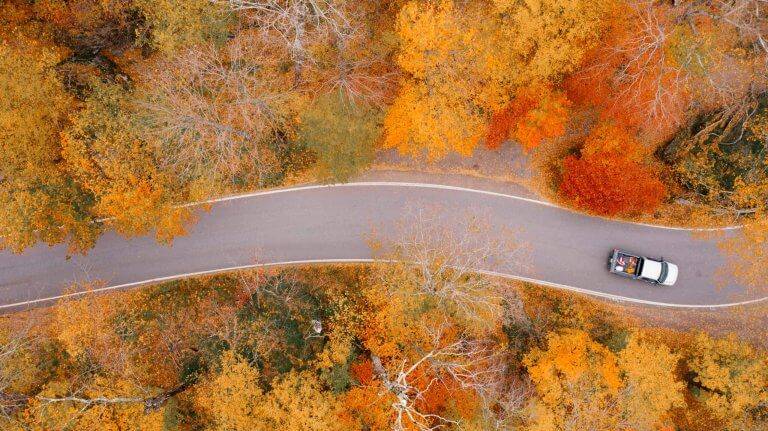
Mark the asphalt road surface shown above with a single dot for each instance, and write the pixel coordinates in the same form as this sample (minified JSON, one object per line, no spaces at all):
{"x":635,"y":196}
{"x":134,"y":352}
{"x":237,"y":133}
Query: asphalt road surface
{"x":323,"y":223}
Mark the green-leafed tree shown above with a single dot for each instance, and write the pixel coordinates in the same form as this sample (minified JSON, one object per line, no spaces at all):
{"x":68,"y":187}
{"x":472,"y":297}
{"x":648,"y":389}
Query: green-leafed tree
{"x":175,"y":24}
{"x":341,"y":133}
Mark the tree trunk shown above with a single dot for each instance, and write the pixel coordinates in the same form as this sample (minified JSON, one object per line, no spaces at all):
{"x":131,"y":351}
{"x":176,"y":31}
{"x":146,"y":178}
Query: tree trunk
{"x":154,"y":403}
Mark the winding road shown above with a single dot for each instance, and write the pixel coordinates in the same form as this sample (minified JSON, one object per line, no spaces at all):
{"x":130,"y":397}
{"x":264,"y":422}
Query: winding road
{"x":314,"y":224}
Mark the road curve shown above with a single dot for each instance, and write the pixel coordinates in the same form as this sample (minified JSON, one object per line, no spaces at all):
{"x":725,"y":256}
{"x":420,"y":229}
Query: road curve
{"x":315,"y":224}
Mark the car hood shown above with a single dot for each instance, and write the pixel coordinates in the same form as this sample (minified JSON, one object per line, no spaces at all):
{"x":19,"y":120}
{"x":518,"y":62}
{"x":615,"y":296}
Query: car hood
{"x":672,"y":272}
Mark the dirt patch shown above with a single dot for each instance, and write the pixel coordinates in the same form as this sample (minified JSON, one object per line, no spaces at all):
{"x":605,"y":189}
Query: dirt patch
{"x":749,"y":322}
{"x":509,"y":163}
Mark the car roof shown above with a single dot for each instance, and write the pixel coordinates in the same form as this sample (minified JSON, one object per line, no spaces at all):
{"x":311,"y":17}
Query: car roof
{"x":651,"y":269}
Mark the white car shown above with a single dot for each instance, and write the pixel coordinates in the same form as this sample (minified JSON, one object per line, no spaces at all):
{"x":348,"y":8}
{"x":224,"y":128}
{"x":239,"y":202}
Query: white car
{"x":656,"y":271}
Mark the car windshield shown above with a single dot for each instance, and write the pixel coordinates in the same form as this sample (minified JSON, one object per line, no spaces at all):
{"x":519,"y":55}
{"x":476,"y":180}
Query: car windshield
{"x":664,"y":270}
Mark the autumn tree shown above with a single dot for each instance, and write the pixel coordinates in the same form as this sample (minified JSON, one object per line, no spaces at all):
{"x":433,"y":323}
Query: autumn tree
{"x":549,"y":38}
{"x":425,"y":384}
{"x":434,"y":112}
{"x":358,"y":66}
{"x":431,"y":322}
{"x":287,"y":407}
{"x":535,"y":114}
{"x":443,"y":265}
{"x":187,"y":322}
{"x":87,"y":26}
{"x":366,"y":406}
{"x":84,"y":329}
{"x":650,"y":79}
{"x":38,"y":202}
{"x":342,"y":134}
{"x":328,"y":45}
{"x":581,"y":384}
{"x":609,"y":177}
{"x":721,"y":159}
{"x":105,"y":153}
{"x":149,"y":336}
{"x":576,"y":380}
{"x":732,"y":377}
{"x":233,"y":399}
{"x":172,"y":25}
{"x":743,"y":247}
{"x":213,"y":113}
{"x":651,"y":386}
{"x":659,"y":63}
{"x":19,"y":356}
{"x":300,"y":26}
{"x":94,"y":405}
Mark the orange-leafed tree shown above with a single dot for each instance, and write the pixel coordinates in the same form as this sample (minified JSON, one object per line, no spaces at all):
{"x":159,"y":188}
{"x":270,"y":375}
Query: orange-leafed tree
{"x":658,"y":64}
{"x":581,"y":384}
{"x":365,"y":405}
{"x":609,"y":177}
{"x":633,"y":74}
{"x":38,"y":202}
{"x":435,"y":111}
{"x":536,"y":113}
{"x":105,"y":154}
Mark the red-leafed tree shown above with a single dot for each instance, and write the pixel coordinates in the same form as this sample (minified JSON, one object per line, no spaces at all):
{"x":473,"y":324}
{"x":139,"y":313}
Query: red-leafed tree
{"x":639,"y":74}
{"x":499,"y":128}
{"x":659,"y":64}
{"x":610,"y":177}
{"x":536,"y":113}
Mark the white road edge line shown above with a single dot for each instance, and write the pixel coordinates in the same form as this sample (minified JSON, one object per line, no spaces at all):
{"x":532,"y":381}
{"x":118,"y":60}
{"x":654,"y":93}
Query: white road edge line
{"x":444,"y":187}
{"x":367,"y":260}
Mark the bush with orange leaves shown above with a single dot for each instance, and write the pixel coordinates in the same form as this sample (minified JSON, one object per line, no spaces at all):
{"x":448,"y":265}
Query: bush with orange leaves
{"x":537,"y":113}
{"x":610,"y":177}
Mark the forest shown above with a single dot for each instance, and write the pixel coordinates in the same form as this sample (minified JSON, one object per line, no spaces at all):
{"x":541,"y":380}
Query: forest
{"x":388,"y":346}
{"x":114,"y":114}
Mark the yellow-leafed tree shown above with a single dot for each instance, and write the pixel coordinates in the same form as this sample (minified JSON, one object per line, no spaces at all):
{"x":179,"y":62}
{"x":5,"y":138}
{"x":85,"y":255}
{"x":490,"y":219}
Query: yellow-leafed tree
{"x":581,"y":384}
{"x":435,"y":111}
{"x":37,"y":200}
{"x":234,"y":400}
{"x":732,"y":374}
{"x":549,"y":37}
{"x":576,"y":380}
{"x":651,"y":388}
{"x":101,"y":404}
{"x":107,"y":156}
